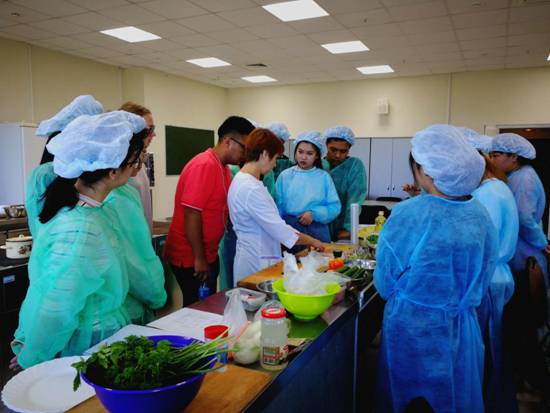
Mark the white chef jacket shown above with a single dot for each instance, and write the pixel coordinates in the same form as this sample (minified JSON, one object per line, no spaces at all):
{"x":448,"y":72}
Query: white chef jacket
{"x":259,"y":227}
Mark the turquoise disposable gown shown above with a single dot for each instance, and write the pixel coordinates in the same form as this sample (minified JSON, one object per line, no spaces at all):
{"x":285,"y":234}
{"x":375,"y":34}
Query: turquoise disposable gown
{"x":299,"y":190}
{"x":530,"y":199}
{"x":350,"y":180}
{"x":435,"y":258}
{"x":38,"y":182}
{"x":499,"y":202}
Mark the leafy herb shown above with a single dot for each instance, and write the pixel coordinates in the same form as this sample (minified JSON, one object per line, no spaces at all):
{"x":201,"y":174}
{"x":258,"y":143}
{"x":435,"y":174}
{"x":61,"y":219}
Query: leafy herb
{"x":138,"y":364}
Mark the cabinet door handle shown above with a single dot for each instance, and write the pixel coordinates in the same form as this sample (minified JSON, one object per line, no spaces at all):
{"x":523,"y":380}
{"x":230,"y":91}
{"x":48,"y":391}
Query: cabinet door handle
{"x":388,"y":188}
{"x":393,"y":188}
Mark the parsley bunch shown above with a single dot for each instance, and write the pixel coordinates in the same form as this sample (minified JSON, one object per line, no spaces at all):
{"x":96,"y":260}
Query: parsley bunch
{"x":138,"y":364}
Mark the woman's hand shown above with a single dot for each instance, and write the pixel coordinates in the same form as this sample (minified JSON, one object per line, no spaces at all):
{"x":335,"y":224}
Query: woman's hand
{"x":318,"y":245}
{"x":14,"y":364}
{"x":201,"y":269}
{"x":411,"y":189}
{"x":547,"y":249}
{"x":306,"y":218}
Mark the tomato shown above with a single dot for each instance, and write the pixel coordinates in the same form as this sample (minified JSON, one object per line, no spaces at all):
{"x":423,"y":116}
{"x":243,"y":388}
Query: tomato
{"x":335,"y":264}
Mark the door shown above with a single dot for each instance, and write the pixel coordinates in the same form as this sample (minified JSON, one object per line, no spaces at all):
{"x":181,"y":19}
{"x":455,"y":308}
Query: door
{"x":380,"y":168}
{"x":401,"y":172}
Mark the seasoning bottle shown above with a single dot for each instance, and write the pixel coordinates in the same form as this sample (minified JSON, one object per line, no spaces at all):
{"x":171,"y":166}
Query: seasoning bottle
{"x":274,"y":339}
{"x":379,"y":221}
{"x":204,"y":291}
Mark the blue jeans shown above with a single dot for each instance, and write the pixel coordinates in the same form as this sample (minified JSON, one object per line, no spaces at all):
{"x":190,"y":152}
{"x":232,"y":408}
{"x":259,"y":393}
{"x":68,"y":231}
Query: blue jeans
{"x":315,"y":229}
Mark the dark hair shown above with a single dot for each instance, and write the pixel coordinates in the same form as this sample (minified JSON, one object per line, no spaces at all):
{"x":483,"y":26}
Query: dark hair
{"x":318,"y":163}
{"x":62,"y":192}
{"x":135,"y":108}
{"x":329,"y":140}
{"x":412,"y":165}
{"x":234,"y":124}
{"x":524,"y":161}
{"x":260,"y":140}
{"x":46,"y":155}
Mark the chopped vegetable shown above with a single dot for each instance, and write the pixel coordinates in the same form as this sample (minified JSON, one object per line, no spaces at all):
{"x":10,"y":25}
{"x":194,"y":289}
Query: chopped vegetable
{"x":335,"y":264}
{"x":372,"y":239}
{"x":138,"y":364}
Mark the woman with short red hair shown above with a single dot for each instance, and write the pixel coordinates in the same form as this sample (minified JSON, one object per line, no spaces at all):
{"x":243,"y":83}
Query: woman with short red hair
{"x":259,"y":227}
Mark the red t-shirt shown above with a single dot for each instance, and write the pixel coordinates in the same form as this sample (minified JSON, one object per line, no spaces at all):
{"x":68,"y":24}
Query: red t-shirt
{"x":203,"y":185}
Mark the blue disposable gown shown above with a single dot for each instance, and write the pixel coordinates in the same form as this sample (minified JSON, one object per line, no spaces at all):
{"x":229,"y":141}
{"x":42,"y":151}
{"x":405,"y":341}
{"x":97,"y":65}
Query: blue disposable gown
{"x":434,"y":258}
{"x":350,"y":180}
{"x":499,"y":201}
{"x":529,"y":193}
{"x":299,"y":190}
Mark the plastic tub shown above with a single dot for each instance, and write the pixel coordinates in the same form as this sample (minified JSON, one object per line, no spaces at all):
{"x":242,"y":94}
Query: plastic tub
{"x":252,"y":300}
{"x":168,"y":399}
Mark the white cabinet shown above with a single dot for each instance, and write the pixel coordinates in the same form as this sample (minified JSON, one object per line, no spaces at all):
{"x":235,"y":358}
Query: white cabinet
{"x":389,"y":167}
{"x":20,"y":152}
{"x":361,"y":150}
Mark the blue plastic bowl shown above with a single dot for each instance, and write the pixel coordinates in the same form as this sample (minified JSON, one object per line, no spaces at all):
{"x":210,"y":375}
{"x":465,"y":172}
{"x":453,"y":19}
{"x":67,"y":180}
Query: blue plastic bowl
{"x":173,"y":398}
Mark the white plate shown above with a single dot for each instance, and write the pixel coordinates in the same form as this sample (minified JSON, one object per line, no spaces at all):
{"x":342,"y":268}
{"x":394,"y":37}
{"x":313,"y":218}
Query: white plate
{"x":46,"y":388}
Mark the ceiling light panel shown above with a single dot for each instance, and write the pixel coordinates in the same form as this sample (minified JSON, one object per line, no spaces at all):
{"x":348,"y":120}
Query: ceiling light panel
{"x":374,"y":70}
{"x":131,"y":34}
{"x":258,"y":79}
{"x":346,"y":47}
{"x":290,"y":11}
{"x":209,"y":62}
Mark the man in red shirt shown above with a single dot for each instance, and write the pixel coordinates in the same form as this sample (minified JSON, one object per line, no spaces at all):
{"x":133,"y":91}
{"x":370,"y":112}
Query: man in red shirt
{"x":201,"y":212}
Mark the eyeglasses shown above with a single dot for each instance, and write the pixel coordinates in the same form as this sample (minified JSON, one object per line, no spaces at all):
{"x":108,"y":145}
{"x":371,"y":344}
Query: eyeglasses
{"x":238,"y":143}
{"x":150,"y":131}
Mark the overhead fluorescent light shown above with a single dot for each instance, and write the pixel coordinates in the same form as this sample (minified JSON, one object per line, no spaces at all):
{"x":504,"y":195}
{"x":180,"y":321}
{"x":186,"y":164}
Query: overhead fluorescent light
{"x":258,"y":79}
{"x":209,"y":62}
{"x":131,"y":34}
{"x":290,"y":11}
{"x":346,"y":47}
{"x":374,"y":70}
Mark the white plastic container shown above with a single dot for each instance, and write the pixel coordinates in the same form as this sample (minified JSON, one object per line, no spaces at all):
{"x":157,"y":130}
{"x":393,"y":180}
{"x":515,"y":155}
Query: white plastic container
{"x":252,"y":300}
{"x":274,"y":339}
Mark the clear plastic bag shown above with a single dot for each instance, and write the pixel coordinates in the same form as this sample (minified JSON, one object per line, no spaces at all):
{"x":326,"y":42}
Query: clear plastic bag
{"x":234,"y":315}
{"x":307,"y":280}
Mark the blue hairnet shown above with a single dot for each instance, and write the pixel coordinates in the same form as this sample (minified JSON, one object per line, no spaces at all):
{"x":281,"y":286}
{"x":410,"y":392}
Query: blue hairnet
{"x":513,"y":143}
{"x":81,"y":105}
{"x":482,"y":143}
{"x":94,"y":142}
{"x":340,"y":132}
{"x":279,"y":129}
{"x":448,"y":159}
{"x":312,"y":137}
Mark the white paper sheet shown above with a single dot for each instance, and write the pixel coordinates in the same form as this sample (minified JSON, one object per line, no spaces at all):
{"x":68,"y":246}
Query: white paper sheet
{"x":187,"y":322}
{"x":129,"y":330}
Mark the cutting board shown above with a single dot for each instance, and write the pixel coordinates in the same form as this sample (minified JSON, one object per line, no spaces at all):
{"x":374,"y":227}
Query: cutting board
{"x":227,"y":392}
{"x":276,"y":271}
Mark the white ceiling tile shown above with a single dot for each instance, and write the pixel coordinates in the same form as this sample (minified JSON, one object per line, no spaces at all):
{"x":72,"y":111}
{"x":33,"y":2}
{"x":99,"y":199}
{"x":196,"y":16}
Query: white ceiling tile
{"x":60,"y":27}
{"x":185,"y":54}
{"x":18,"y":14}
{"x":381,"y":42}
{"x":348,"y":6}
{"x":132,"y":15}
{"x":166,"y":29}
{"x":174,"y":9}
{"x":445,"y":67}
{"x":429,"y":38}
{"x":533,"y":40}
{"x":530,"y":13}
{"x":442,"y":57}
{"x":489,"y":18}
{"x":395,"y":3}
{"x":94,"y":21}
{"x":13,"y":36}
{"x":294,"y":42}
{"x":256,"y":16}
{"x":5,"y":22}
{"x":63,"y":43}
{"x":233,"y":35}
{"x":161,"y":45}
{"x":223,"y":5}
{"x":97,"y":39}
{"x":206,"y":23}
{"x":254,"y":45}
{"x":100,"y":52}
{"x":320,"y":24}
{"x":99,"y":4}
{"x":440,"y":48}
{"x":481,"y":32}
{"x":492,"y":52}
{"x":541,"y":26}
{"x":389,"y":29}
{"x":526,"y":50}
{"x":332,"y":36}
{"x":129,"y":48}
{"x":469,"y":6}
{"x":227,"y":53}
{"x":27,"y":32}
{"x":54,"y":8}
{"x":267,"y":31}
{"x":351,"y":20}
{"x":486,"y":63}
{"x":195,"y":40}
{"x":483,"y":43}
{"x":514,"y":65}
{"x":418,"y":11}
{"x":439,"y":24}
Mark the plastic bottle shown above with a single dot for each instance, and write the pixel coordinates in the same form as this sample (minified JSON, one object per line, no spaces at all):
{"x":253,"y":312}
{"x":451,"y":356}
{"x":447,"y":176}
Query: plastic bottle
{"x":379,"y":221}
{"x":204,"y":291}
{"x":274,"y":339}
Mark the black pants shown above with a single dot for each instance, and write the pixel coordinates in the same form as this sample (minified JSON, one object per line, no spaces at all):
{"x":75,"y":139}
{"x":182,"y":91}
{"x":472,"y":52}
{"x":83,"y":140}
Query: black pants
{"x":190,"y":285}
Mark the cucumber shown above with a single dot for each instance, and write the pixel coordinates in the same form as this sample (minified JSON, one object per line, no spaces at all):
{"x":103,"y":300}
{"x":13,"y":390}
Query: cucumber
{"x":351,"y":273}
{"x":343,"y":269}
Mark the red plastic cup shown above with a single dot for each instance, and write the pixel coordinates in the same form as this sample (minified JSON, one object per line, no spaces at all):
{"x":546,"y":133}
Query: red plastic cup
{"x":215,"y":331}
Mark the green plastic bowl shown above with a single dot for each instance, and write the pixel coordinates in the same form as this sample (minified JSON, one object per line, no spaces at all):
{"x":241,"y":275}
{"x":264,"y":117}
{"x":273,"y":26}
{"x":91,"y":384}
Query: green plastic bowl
{"x":306,"y":307}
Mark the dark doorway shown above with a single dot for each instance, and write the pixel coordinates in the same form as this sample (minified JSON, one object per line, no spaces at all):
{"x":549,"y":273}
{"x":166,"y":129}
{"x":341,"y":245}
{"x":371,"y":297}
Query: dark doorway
{"x":540,"y":138}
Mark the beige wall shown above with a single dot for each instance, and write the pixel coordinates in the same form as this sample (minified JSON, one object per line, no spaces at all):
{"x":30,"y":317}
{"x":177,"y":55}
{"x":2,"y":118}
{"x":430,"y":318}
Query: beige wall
{"x":15,"y":88}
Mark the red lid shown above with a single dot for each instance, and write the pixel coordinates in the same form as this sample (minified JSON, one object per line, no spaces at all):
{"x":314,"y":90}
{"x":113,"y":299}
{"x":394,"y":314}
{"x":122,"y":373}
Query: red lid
{"x":273,"y":312}
{"x":215,"y":331}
